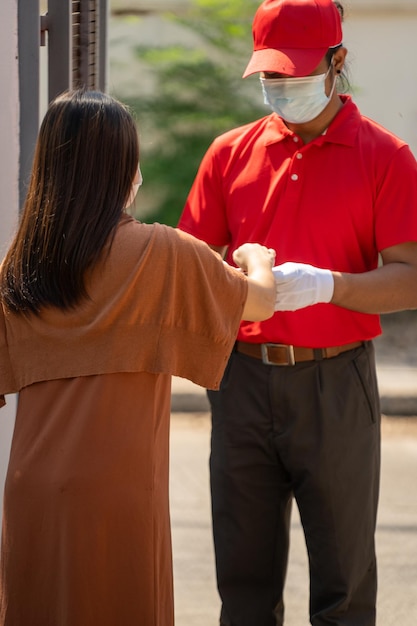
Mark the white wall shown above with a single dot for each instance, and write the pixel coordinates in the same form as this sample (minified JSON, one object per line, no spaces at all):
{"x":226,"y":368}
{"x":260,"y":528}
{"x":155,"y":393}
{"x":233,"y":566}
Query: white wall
{"x":9,"y":174}
{"x":382,"y":53}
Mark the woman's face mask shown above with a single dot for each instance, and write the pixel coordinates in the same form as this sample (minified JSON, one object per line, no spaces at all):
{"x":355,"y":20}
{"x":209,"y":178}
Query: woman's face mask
{"x":135,"y":188}
{"x":297,"y":100}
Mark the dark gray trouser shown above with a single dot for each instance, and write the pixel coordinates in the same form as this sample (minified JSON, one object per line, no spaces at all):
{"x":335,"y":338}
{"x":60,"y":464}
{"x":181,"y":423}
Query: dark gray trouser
{"x":311,"y":431}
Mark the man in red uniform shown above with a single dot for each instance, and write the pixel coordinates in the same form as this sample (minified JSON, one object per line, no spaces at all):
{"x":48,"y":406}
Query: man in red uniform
{"x":298,"y":413}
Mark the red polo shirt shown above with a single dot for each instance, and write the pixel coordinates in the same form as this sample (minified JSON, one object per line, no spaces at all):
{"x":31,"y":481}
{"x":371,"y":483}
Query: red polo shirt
{"x":334,"y":202}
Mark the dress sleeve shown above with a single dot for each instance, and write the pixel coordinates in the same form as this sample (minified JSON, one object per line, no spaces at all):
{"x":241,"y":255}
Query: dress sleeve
{"x":203,"y":304}
{"x":161,"y":301}
{"x":7,"y":380}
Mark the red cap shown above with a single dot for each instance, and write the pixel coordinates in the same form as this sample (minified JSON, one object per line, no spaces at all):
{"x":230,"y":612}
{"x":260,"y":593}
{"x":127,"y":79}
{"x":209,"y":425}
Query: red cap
{"x":292,"y":36}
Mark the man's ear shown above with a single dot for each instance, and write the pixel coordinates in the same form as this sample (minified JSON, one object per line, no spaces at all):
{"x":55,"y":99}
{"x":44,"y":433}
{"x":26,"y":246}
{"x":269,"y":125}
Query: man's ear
{"x":339,"y":59}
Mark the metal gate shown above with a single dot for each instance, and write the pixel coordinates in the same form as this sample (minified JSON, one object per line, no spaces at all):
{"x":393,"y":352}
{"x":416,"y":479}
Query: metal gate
{"x":75,"y":35}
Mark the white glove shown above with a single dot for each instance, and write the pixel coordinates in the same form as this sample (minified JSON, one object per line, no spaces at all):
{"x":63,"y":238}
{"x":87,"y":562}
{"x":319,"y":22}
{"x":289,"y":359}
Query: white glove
{"x":300,"y":285}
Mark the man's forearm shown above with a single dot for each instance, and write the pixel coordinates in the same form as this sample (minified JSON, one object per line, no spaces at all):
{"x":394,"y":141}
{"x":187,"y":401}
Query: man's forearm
{"x":392,"y":287}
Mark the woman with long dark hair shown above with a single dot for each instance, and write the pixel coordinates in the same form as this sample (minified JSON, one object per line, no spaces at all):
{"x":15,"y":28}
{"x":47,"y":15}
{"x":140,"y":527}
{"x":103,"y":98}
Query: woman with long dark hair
{"x":97,"y":312}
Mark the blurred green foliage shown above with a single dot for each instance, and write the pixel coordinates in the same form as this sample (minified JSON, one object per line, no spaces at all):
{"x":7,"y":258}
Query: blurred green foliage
{"x":199,"y":93}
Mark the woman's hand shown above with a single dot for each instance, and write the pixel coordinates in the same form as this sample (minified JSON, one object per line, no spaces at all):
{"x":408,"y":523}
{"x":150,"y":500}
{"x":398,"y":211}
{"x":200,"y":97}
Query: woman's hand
{"x":257,"y":262}
{"x":251,"y":255}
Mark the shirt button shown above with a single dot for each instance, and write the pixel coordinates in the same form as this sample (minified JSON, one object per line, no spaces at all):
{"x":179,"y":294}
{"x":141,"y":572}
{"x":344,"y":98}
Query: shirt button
{"x":299,"y":155}
{"x":294,"y":177}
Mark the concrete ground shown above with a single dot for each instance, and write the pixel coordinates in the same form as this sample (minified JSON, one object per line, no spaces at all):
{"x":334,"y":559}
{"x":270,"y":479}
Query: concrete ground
{"x":197,"y":603}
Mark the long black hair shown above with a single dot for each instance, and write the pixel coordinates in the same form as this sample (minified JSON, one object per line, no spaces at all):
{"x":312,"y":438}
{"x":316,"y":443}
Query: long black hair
{"x":86,"y":157}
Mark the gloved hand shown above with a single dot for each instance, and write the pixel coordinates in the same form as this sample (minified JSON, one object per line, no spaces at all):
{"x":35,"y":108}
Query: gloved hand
{"x":300,"y":285}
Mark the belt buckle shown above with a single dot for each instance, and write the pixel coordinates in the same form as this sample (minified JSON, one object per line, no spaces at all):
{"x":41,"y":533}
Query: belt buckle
{"x":289,"y":349}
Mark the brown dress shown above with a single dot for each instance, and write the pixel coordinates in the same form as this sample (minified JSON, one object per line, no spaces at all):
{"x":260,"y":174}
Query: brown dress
{"x":86,"y":532}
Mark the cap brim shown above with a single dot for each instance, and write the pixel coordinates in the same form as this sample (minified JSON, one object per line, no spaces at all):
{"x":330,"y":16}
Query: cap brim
{"x":292,"y":62}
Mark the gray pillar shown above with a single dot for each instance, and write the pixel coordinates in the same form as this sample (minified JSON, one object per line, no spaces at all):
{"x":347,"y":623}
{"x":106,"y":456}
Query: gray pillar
{"x":28,"y":50}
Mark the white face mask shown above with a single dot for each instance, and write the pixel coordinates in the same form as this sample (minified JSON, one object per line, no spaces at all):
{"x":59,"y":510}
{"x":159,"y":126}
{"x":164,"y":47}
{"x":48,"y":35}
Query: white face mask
{"x":134,"y":190}
{"x":297,"y":100}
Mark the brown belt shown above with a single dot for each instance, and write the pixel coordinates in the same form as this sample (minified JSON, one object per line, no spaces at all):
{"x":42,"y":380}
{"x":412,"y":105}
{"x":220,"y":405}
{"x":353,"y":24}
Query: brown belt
{"x":281,"y":354}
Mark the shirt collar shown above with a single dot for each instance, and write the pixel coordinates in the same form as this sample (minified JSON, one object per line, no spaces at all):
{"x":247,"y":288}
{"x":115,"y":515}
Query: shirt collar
{"x":342,"y":129}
